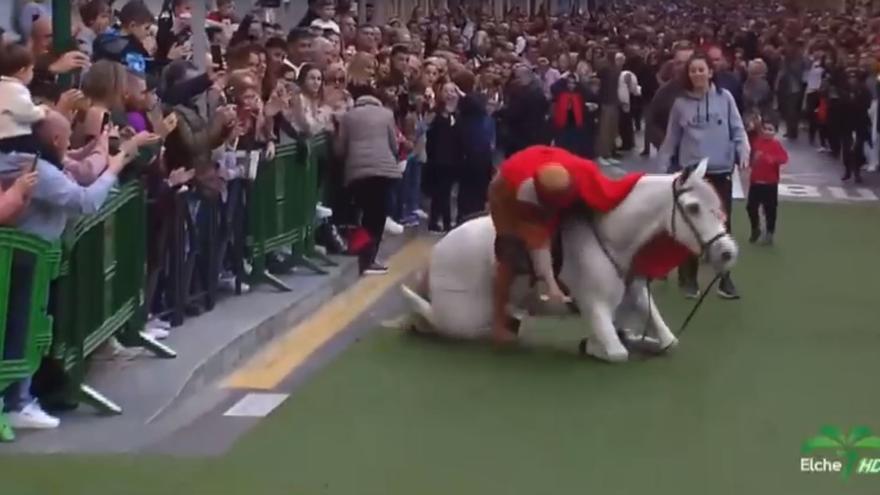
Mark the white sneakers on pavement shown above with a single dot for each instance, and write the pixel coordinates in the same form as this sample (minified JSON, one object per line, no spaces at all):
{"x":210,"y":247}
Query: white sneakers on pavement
{"x":392,"y":227}
{"x":322,"y":212}
{"x":32,"y":417}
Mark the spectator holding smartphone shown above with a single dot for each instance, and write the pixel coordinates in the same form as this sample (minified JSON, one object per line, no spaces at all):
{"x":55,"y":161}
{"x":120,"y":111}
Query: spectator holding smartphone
{"x":55,"y":199}
{"x":14,"y":199}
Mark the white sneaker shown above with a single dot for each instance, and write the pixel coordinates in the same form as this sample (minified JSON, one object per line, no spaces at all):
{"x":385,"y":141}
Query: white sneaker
{"x":376,"y":269}
{"x":32,"y":417}
{"x":421,"y":214}
{"x":392,"y":227}
{"x":112,"y":350}
{"x":872,"y":167}
{"x":155,"y":322}
{"x":157,"y":333}
{"x":227,"y":284}
{"x":322,"y":212}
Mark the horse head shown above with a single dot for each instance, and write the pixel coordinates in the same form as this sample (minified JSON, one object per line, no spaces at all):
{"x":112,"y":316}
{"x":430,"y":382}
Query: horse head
{"x":698,"y":218}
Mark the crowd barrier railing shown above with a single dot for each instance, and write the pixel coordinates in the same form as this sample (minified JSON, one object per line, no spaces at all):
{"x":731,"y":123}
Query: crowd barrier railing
{"x":281,"y":210}
{"x":97,"y":273}
{"x":21,"y":358}
{"x":101,"y":291}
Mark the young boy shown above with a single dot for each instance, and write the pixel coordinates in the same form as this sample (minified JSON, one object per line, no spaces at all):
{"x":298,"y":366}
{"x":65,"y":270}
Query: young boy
{"x":768,"y":156}
{"x":325,"y":11}
{"x":95,"y":15}
{"x":126,"y":46}
{"x":17,"y":109}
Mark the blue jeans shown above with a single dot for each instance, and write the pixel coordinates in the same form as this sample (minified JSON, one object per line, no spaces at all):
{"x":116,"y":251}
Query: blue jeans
{"x":18,"y":395}
{"x":408,"y":191}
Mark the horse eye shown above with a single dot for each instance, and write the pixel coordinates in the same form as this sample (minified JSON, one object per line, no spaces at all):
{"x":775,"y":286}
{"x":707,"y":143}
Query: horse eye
{"x":693,"y":209}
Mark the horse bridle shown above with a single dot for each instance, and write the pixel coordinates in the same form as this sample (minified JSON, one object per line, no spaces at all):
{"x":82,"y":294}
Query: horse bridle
{"x":677,"y":191}
{"x":705,"y":245}
{"x":677,"y":209}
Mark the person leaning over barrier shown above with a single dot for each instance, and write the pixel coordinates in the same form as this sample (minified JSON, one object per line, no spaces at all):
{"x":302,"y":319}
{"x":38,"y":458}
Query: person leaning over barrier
{"x":54,"y":201}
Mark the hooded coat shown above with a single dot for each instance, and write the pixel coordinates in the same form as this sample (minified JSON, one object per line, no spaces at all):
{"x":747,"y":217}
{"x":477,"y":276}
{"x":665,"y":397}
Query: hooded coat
{"x":706,"y":126}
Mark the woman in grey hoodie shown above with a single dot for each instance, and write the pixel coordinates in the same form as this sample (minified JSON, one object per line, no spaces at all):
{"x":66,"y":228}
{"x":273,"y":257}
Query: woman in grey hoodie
{"x":705,"y":123}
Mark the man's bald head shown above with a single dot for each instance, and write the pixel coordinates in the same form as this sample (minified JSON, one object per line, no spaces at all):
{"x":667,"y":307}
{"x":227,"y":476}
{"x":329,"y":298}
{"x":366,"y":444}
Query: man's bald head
{"x":322,"y":52}
{"x":41,"y":36}
{"x":54,"y":133}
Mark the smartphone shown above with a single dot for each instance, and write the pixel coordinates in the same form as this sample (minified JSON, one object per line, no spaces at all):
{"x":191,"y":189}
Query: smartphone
{"x":217,"y":56}
{"x":105,"y":122}
{"x":34,"y":164}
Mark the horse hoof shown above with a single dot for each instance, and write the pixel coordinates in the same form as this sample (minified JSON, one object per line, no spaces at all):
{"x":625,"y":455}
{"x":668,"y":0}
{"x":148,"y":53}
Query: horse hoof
{"x":514,"y":324}
{"x":596,"y":350}
{"x":582,"y":347}
{"x":671,"y":345}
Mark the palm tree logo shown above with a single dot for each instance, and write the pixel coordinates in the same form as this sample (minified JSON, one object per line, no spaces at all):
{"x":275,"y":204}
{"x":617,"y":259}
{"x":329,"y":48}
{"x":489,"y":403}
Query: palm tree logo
{"x":845,"y":446}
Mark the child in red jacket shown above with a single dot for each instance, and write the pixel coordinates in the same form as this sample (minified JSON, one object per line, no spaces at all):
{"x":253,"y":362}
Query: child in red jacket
{"x":768,"y":157}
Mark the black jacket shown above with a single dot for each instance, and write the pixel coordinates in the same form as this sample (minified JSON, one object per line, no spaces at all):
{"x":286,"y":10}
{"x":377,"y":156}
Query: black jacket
{"x":445,"y":145}
{"x":526,"y":117}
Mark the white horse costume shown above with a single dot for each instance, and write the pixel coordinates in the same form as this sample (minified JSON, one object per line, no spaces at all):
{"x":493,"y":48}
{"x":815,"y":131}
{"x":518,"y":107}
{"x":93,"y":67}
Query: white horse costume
{"x":598,"y":261}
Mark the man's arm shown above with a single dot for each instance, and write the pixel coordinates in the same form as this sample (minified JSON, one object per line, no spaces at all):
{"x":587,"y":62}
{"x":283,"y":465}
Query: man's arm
{"x":56,"y":189}
{"x":738,"y":130}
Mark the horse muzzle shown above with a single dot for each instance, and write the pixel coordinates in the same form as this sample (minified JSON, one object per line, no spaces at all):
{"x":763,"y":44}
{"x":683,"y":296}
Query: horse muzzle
{"x":722,"y":254}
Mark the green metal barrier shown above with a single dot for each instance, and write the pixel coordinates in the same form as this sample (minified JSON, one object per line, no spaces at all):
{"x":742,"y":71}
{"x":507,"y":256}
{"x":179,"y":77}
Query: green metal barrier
{"x":281,"y":209}
{"x":318,"y":150}
{"x":101,"y":290}
{"x":38,"y":337}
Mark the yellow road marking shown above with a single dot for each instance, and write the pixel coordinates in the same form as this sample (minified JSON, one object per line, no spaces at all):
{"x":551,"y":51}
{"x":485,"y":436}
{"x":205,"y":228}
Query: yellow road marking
{"x":268,"y":368}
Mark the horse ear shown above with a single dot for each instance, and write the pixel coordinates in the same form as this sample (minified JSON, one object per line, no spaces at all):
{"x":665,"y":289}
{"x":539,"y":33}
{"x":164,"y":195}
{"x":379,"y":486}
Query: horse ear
{"x":694,"y":172}
{"x":700,"y":171}
{"x":685,"y":175}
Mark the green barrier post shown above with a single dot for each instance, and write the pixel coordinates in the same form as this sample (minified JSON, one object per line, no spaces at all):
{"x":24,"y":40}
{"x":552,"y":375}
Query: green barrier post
{"x":38,"y":336}
{"x":281,"y":209}
{"x":316,"y":152}
{"x":271,"y":222}
{"x":101,"y":290}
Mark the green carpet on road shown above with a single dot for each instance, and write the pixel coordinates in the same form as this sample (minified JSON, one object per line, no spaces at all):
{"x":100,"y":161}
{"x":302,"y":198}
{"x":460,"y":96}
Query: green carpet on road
{"x":726,"y":413}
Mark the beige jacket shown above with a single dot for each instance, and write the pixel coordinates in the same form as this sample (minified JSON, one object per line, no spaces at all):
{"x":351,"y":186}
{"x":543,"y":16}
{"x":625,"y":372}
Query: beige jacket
{"x":367,"y":141}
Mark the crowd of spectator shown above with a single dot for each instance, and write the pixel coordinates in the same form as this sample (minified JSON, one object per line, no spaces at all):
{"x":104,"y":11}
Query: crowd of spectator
{"x":419,"y":110}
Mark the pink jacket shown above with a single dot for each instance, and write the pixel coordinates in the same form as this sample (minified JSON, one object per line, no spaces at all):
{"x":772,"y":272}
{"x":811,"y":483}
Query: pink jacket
{"x":86,"y":164}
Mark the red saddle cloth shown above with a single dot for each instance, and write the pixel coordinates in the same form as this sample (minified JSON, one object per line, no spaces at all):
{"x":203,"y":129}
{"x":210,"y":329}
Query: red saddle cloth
{"x":659,"y":256}
{"x":594,"y":188}
{"x":599,"y":192}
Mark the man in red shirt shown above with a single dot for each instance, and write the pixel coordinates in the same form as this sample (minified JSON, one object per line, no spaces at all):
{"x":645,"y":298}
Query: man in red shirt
{"x":768,"y":157}
{"x":532,"y":188}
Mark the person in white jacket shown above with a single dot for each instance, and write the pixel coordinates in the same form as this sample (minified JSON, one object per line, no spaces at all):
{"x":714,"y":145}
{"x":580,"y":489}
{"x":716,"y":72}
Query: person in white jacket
{"x":17,"y":110}
{"x":627,"y":87}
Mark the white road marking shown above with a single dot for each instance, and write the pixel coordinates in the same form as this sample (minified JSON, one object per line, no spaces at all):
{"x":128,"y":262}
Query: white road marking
{"x":256,"y":405}
{"x":798,"y":191}
{"x":862,"y":193}
{"x":830,"y":193}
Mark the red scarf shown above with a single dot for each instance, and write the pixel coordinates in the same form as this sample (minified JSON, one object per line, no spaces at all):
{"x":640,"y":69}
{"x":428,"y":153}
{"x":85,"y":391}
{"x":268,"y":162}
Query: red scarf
{"x":568,"y":99}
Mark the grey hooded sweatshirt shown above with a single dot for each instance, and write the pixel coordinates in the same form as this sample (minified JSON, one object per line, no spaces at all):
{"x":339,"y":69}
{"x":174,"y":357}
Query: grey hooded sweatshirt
{"x":707,"y":126}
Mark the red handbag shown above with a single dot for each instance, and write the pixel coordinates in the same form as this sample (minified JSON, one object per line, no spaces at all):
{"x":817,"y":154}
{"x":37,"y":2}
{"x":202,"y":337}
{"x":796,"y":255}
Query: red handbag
{"x":358,"y":240}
